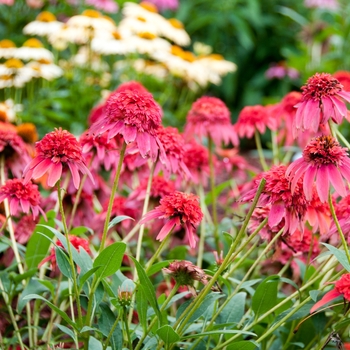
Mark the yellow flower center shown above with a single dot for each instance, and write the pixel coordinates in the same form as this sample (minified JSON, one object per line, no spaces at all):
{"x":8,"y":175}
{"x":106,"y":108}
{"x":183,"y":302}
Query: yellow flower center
{"x":28,"y":132}
{"x":46,"y":16}
{"x":14,"y":63}
{"x":91,"y":13}
{"x":147,"y":35}
{"x":6,"y":44}
{"x":141,"y":19}
{"x":188,"y":56}
{"x":116,"y":35}
{"x":176,"y":50}
{"x":3,"y":115}
{"x":44,"y":61}
{"x":6,"y":77}
{"x":176,"y":23}
{"x":35,"y":43}
{"x":149,"y":7}
{"x":216,"y":57}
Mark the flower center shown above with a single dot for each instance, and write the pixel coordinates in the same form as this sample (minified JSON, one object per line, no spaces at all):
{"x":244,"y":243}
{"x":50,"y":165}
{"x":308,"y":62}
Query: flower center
{"x":141,"y":19}
{"x":321,"y":85}
{"x":324,"y":150}
{"x":216,"y":57}
{"x":28,"y":132}
{"x":14,"y":63}
{"x":91,"y":13}
{"x":116,"y":35}
{"x":6,"y":44}
{"x":147,"y":35}
{"x":35,"y":43}
{"x":149,"y":7}
{"x":176,"y":23}
{"x":46,"y":16}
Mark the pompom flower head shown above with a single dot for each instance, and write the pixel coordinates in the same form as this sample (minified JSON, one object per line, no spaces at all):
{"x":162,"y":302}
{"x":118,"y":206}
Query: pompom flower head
{"x":179,"y":209}
{"x":322,"y":99}
{"x":324,"y":159}
{"x":136,"y":116}
{"x":22,"y":197}
{"x":341,"y":288}
{"x":57,"y":151}
{"x":209,"y":116}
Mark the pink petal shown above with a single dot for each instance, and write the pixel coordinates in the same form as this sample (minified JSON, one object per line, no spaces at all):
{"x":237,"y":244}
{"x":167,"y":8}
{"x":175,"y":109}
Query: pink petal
{"x":328,"y":109}
{"x":312,"y":116}
{"x":322,"y":183}
{"x":25,"y":206}
{"x":75,"y":174}
{"x":340,"y":107}
{"x":345,"y":169}
{"x":166,"y":229}
{"x":336,"y":180}
{"x":40,"y":169}
{"x":153,"y":214}
{"x":192,"y":238}
{"x":308,"y":181}
{"x":276,"y":214}
{"x":329,"y":296}
{"x":143,"y":143}
{"x":129,"y":133}
{"x":14,"y":204}
{"x":55,"y":174}
{"x":345,"y":95}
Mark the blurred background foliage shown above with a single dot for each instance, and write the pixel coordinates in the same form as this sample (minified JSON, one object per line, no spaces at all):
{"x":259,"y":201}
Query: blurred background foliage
{"x":254,"y":34}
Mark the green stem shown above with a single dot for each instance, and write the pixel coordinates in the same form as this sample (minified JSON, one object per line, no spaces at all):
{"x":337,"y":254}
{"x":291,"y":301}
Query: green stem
{"x":202,"y":229}
{"x":158,"y":252}
{"x":12,"y":316}
{"x":213,"y":194}
{"x":111,"y":198}
{"x":70,"y":255}
{"x":125,"y":321}
{"x":192,"y":307}
{"x":260,"y":151}
{"x":115,"y":324}
{"x":154,"y":320}
{"x":342,"y":138}
{"x":342,"y":237}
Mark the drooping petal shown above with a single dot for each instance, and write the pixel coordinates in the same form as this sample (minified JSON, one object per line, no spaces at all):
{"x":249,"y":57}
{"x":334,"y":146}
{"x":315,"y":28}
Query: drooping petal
{"x":276,"y":214}
{"x":329,"y":296}
{"x":308,"y":181}
{"x":336,"y":180}
{"x":55,"y":173}
{"x":322,"y":183}
{"x":166,"y":229}
{"x":75,"y":174}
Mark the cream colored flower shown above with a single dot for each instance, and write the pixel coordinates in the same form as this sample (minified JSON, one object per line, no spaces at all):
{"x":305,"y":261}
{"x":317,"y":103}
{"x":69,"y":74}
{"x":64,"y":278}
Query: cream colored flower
{"x":111,"y":44}
{"x":173,"y":30}
{"x":93,"y":61}
{"x":45,"y":69}
{"x":44,"y":25}
{"x":7,"y":48}
{"x":13,"y":73}
{"x":147,"y":43}
{"x":33,"y":49}
{"x":218,"y":64}
{"x":136,"y":25}
{"x":150,"y":68}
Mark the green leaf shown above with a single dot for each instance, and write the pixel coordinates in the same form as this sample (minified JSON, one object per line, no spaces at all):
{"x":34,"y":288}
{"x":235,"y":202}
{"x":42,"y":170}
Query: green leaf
{"x":105,"y":324}
{"x":148,"y":288}
{"x":77,"y":231}
{"x":219,"y":331}
{"x":25,"y":275}
{"x":118,"y":219}
{"x":53,"y":307}
{"x":66,"y":330}
{"x":158,"y":266}
{"x":168,"y":335}
{"x":141,"y":307}
{"x":242,"y":345}
{"x":86,"y":276}
{"x":63,"y":263}
{"x":110,"y":259}
{"x":340,"y":256}
{"x":234,"y":309}
{"x":33,"y":287}
{"x":38,"y":245}
{"x":95,"y":344}
{"x":265,"y":295}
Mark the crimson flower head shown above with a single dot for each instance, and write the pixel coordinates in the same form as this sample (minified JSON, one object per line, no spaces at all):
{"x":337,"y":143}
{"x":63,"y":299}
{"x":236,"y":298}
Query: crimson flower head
{"x":341,"y":288}
{"x":322,"y":99}
{"x":209,"y":116}
{"x":284,"y":204}
{"x":179,"y":209}
{"x":22,"y":197}
{"x":324,"y":159}
{"x":253,"y":118}
{"x":136,"y":116}
{"x":14,"y":150}
{"x":57,"y":151}
{"x":132,"y":85}
{"x":174,"y":147}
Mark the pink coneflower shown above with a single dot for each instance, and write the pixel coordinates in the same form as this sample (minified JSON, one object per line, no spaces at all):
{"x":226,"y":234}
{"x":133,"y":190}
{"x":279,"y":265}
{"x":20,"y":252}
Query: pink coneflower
{"x":160,"y":188}
{"x":22,"y":197}
{"x":196,"y":158}
{"x":285,"y":204}
{"x":136,"y":116}
{"x":97,"y":113}
{"x":102,"y":151}
{"x":179,"y":209}
{"x":104,"y":5}
{"x":14,"y":150}
{"x":55,"y":152}
{"x":132,"y":85}
{"x":209,"y":116}
{"x":253,"y":118}
{"x":174,"y":147}
{"x":77,"y":242}
{"x":324,"y":159}
{"x":163,"y":5}
{"x":25,"y":228}
{"x":322,"y":100}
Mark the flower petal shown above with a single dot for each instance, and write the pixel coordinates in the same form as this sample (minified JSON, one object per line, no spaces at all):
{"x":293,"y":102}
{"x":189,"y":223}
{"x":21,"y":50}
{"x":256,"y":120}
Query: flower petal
{"x":329,"y":296}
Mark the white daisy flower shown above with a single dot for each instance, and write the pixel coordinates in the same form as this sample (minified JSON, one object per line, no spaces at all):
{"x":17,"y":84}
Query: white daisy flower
{"x":45,"y":69}
{"x":7,"y":48}
{"x":13,"y":73}
{"x":173,"y":30}
{"x":9,"y":110}
{"x":147,"y":43}
{"x":44,"y":25}
{"x":33,"y":49}
{"x":218,"y":64}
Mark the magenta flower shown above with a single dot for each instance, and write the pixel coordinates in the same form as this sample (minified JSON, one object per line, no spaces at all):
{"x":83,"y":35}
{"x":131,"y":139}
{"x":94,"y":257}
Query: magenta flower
{"x":322,"y":99}
{"x":22,"y":197}
{"x":209,"y":116}
{"x":104,"y":5}
{"x":179,"y":209}
{"x":57,"y":151}
{"x":253,"y":118}
{"x":163,"y":5}
{"x":136,"y":116}
{"x":324,"y":159}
